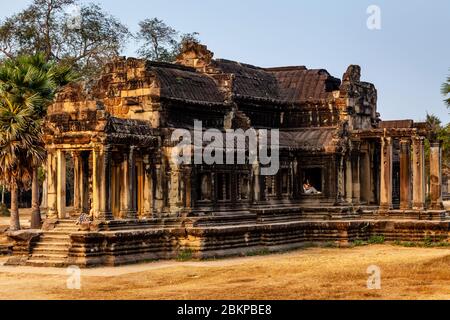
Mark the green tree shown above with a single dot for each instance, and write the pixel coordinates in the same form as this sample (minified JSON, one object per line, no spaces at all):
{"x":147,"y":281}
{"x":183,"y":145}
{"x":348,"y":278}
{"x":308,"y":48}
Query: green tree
{"x":442,"y":133}
{"x":161,"y":42}
{"x":19,"y":148}
{"x":28,"y":85}
{"x":445,"y":90}
{"x":84,"y":39}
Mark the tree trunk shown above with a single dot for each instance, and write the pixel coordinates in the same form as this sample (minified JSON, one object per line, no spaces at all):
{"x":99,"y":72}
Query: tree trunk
{"x":35,"y":210}
{"x":14,"y":220}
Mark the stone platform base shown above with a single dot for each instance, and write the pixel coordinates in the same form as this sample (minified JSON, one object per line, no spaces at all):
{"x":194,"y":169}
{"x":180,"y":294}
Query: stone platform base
{"x":124,"y":242}
{"x":115,"y":248}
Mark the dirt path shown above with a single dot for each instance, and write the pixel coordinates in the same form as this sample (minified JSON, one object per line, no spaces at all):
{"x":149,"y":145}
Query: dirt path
{"x":407,"y":273}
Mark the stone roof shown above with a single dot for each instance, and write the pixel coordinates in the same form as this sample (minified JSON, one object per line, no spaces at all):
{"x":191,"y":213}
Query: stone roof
{"x":300,"y":85}
{"x":309,"y":139}
{"x":248,"y":80}
{"x":184,"y":84}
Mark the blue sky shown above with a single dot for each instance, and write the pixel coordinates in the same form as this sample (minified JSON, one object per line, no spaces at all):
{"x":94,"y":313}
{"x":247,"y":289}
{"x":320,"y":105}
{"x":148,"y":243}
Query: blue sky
{"x":407,"y":59}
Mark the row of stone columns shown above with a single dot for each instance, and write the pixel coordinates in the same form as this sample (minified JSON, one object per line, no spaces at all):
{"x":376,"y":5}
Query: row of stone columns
{"x":416,"y":198}
{"x":358,"y":176}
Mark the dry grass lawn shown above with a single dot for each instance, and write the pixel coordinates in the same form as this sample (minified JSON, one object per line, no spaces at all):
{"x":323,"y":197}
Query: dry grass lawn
{"x":316,"y":273}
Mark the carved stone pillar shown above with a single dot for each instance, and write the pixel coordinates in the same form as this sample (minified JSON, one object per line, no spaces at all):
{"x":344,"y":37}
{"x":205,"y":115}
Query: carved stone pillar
{"x":159,"y":188}
{"x":77,"y":180}
{"x":84,"y":183}
{"x":256,"y":182}
{"x":405,"y":174}
{"x":418,"y":173}
{"x":348,"y":181}
{"x":356,"y":183}
{"x":44,"y":202}
{"x":386,"y":174}
{"x":52,"y":185}
{"x":95,"y":182}
{"x":104,"y":168}
{"x":188,"y":188}
{"x":340,"y":185}
{"x":148,"y":188}
{"x":61,"y":185}
{"x":129,"y":185}
{"x":365,"y":176}
{"x":175,"y":189}
{"x":436,"y":176}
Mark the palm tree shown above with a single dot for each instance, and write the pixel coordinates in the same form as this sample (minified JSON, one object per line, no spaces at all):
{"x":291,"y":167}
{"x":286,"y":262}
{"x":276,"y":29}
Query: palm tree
{"x":27,"y":86}
{"x":19,"y":148}
{"x":445,"y":90}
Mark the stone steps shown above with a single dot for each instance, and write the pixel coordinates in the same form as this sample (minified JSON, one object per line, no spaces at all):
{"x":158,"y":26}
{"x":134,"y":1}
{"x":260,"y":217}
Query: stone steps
{"x":52,"y":250}
{"x":46,"y":263}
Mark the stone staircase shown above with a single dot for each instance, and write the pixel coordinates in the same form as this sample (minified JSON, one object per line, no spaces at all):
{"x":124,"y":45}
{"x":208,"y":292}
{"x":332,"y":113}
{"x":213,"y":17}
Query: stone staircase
{"x":52,"y":250}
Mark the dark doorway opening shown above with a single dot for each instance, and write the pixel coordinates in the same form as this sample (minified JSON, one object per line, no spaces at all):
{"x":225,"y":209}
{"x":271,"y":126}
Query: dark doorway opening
{"x":313,"y":176}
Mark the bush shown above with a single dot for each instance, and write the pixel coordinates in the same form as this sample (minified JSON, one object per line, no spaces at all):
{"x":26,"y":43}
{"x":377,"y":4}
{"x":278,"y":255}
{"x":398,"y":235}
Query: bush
{"x":379,"y":239}
{"x":359,"y":243}
{"x":185,"y":255}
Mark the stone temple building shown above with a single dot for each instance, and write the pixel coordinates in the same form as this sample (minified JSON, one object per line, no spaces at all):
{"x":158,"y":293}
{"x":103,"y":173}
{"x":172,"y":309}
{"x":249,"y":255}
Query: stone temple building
{"x":116,"y":131}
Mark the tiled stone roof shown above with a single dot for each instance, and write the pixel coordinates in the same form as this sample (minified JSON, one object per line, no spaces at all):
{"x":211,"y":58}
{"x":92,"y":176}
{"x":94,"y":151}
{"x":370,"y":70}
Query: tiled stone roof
{"x":300,"y":85}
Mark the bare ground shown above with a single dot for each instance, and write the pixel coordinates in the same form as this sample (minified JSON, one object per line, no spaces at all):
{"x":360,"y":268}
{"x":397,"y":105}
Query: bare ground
{"x":316,"y":273}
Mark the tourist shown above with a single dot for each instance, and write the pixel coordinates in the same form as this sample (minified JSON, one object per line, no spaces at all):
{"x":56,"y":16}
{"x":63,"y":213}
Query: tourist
{"x":309,"y":189}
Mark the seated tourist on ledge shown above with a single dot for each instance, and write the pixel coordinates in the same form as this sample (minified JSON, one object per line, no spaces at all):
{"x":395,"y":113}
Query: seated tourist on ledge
{"x":84,"y":218}
{"x":309,"y":189}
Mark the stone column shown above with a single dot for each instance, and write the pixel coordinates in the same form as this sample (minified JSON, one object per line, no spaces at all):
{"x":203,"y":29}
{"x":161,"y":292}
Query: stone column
{"x":356,"y":183}
{"x":61,"y":184}
{"x":148,"y":188}
{"x":128,"y":207}
{"x":340,"y":180}
{"x":84,"y":183}
{"x":386,"y":174}
{"x":365,"y":176}
{"x":159,"y":188}
{"x":174,"y":189}
{"x":52,"y":185}
{"x":44,"y":202}
{"x":95,"y":182}
{"x":188,"y":188}
{"x":132,"y":193}
{"x":295,"y":179}
{"x":348,"y":181}
{"x":436,"y":175}
{"x":256,"y":182}
{"x":418,"y":173}
{"x":104,"y":169}
{"x":405,"y":174}
{"x":77,"y":180}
